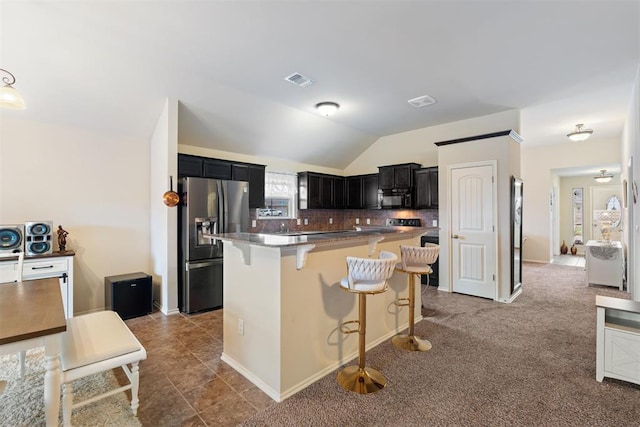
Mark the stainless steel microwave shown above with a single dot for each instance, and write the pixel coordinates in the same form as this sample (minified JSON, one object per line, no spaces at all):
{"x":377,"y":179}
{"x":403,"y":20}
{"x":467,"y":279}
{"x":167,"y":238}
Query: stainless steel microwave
{"x":394,"y":200}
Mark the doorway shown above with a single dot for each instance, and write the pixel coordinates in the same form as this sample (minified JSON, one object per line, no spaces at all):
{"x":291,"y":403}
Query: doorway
{"x":473,"y":237}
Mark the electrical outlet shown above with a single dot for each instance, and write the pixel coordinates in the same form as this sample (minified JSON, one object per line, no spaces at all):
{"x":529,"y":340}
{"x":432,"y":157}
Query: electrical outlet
{"x":240,"y":327}
{"x":306,"y":221}
{"x":357,"y":221}
{"x":253,"y":223}
{"x":330,"y":220}
{"x":435,"y":222}
{"x":368,"y":221}
{"x":298,"y":221}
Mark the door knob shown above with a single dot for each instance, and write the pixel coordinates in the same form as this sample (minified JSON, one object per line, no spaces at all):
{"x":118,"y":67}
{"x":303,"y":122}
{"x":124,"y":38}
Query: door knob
{"x":455,"y":236}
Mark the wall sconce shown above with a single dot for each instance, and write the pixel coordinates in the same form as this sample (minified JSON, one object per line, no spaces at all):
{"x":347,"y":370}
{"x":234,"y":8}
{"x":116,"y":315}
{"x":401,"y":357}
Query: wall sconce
{"x":9,"y":96}
{"x":327,"y":108}
{"x":604,"y":177}
{"x":580,"y":134}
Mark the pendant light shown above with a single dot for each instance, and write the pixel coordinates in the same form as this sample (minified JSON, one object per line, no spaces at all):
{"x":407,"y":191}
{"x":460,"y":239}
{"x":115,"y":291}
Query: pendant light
{"x":580,"y":134}
{"x":9,"y":96}
{"x":604,"y":177}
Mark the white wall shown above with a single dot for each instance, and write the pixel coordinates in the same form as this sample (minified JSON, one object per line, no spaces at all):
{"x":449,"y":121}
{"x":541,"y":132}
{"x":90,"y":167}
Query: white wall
{"x":273,"y":164}
{"x":418,"y":145}
{"x":504,"y":150}
{"x":164,"y":219}
{"x":565,"y":207}
{"x":95,"y":185}
{"x":537,"y":165}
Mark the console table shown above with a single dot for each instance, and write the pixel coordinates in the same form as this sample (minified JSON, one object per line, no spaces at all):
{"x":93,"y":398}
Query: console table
{"x":618,"y":339}
{"x":605,"y":263}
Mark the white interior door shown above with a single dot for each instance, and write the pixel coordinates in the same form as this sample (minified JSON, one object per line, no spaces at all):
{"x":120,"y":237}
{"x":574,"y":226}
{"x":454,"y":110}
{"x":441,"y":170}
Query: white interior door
{"x":600,"y":195}
{"x":473,"y":243}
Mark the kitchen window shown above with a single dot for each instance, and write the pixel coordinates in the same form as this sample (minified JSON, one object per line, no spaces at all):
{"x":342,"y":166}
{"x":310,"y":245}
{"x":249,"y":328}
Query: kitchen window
{"x":280,"y":196}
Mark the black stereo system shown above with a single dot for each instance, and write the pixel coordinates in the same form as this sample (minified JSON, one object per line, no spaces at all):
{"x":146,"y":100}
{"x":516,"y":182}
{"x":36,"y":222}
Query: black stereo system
{"x":38,"y":237}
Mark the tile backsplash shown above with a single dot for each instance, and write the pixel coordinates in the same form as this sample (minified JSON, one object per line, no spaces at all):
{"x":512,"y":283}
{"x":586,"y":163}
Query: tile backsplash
{"x":341,"y":219}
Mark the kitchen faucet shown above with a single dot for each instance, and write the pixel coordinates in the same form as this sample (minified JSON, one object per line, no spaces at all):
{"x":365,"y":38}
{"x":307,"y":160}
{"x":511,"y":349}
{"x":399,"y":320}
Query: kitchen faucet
{"x":283,"y":228}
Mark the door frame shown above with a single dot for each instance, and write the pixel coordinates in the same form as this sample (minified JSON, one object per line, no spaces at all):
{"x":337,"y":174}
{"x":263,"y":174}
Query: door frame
{"x":494,"y":193}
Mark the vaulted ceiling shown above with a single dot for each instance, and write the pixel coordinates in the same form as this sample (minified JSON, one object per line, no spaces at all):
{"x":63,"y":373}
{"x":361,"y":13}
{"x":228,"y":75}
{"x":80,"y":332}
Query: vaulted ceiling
{"x":109,"y":66}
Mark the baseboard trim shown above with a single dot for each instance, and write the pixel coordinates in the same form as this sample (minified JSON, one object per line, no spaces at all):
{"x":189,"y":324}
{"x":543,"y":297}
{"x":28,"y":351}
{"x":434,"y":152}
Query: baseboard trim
{"x":279,"y":397}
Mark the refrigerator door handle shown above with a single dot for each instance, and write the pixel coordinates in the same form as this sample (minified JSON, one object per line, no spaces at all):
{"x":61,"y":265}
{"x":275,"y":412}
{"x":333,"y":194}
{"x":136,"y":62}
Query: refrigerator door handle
{"x":196,"y":265}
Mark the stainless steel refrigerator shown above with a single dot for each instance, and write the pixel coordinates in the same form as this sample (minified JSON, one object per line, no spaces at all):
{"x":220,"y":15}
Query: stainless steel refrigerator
{"x":207,"y":205}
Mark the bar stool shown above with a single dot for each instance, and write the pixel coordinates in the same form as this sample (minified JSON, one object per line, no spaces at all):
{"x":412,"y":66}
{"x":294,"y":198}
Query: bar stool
{"x":365,"y":276}
{"x":414,"y":261}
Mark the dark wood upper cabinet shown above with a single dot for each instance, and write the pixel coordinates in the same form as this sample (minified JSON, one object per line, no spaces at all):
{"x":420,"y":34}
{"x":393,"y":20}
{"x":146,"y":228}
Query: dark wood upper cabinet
{"x":426,"y":188}
{"x":320,"y":191}
{"x":370,"y":191}
{"x":256,"y":186}
{"x":205,"y":167}
{"x":362,"y":191}
{"x":189,"y":165}
{"x":339,"y":193}
{"x":239,"y":172}
{"x":355,"y":199}
{"x":217,"y":169}
{"x":396,"y":177}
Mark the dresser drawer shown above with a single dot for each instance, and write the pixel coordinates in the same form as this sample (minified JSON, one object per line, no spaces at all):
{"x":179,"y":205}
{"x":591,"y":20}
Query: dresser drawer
{"x":38,"y":269}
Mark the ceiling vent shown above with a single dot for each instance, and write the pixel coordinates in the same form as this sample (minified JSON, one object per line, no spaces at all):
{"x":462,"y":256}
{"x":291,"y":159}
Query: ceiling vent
{"x":422,"y":101}
{"x":299,"y":80}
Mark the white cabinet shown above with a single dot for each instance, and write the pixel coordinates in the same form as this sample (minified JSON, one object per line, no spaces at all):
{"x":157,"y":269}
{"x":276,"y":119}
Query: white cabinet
{"x":43,"y":266}
{"x":605,"y":263}
{"x":618,"y":339}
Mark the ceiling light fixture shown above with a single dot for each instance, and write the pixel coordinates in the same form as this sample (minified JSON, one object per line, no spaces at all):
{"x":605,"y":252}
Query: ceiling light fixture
{"x":580,"y":134}
{"x":327,"y":108}
{"x":603,"y":177}
{"x":9,"y":96}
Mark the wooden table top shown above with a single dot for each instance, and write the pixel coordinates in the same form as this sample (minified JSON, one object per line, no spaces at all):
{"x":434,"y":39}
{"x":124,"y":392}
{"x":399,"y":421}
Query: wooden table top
{"x":30,"y":309}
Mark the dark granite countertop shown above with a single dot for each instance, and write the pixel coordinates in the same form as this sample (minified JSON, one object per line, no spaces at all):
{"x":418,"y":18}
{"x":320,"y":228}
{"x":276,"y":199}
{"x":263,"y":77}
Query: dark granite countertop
{"x":297,"y":238}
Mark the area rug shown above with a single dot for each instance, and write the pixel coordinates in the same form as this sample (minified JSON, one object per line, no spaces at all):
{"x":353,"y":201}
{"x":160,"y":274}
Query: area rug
{"x":22,"y":402}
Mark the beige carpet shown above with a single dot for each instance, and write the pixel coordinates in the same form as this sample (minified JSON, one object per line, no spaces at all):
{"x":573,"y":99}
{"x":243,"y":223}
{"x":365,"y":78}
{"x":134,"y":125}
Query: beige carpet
{"x":22,"y":403}
{"x":529,"y":363}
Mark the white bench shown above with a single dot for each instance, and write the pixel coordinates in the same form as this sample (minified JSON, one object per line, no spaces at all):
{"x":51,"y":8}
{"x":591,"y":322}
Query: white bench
{"x":94,"y":343}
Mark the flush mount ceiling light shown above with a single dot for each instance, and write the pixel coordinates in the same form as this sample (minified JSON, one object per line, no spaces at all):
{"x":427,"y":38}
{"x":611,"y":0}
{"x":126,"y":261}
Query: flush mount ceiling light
{"x":9,"y":96}
{"x":580,"y":134}
{"x":603,"y":177}
{"x":327,"y":108}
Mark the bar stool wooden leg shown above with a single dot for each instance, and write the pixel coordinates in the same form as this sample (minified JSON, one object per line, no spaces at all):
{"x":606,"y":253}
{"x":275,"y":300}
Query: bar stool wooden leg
{"x":410,"y":341}
{"x":359,"y":378}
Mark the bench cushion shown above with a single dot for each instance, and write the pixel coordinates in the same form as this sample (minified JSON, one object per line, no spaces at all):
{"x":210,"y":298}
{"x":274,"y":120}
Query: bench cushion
{"x":95,"y":337}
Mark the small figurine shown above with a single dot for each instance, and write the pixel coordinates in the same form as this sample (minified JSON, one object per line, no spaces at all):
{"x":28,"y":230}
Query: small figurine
{"x":62,"y":238}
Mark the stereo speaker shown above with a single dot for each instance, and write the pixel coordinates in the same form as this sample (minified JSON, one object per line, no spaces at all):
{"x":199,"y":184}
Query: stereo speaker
{"x":11,"y":238}
{"x":38,"y":237}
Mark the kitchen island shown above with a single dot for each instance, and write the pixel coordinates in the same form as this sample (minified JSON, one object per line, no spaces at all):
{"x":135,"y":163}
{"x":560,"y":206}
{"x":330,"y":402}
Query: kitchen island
{"x":283,"y":304}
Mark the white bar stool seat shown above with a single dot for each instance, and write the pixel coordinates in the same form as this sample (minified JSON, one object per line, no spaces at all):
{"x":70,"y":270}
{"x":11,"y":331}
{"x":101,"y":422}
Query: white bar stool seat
{"x":94,"y":343}
{"x":365,"y":276}
{"x":414,"y":260}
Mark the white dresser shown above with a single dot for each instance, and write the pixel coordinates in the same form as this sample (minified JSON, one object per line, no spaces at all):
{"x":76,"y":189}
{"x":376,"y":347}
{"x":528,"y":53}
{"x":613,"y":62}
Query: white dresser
{"x":57,"y":264}
{"x":605,"y":263}
{"x":618,"y":339}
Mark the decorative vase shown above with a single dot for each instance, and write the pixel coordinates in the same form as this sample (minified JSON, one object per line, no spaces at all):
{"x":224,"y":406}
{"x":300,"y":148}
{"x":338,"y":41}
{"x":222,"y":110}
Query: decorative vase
{"x":574,"y":250}
{"x":564,"y":249}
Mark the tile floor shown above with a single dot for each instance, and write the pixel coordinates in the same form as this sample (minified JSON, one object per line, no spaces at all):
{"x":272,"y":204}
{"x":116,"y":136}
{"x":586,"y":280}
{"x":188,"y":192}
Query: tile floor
{"x":571,"y":260}
{"x":183,"y":382}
